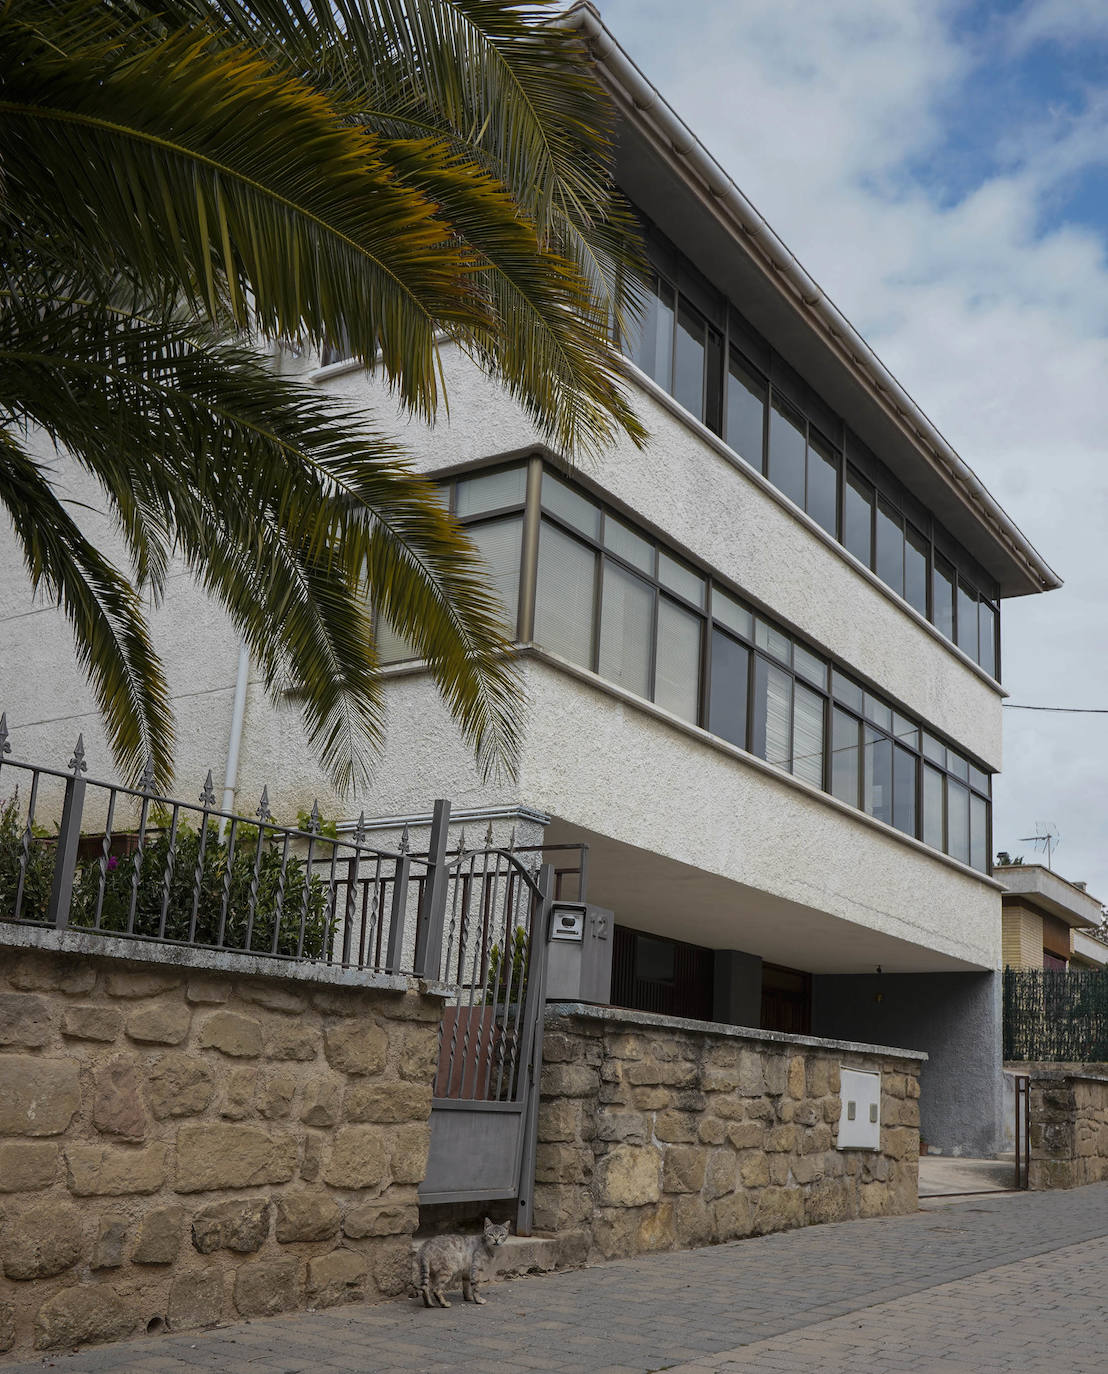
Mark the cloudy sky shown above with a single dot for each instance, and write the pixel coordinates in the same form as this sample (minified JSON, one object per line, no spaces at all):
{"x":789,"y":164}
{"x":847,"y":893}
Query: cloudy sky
{"x":941,"y":169}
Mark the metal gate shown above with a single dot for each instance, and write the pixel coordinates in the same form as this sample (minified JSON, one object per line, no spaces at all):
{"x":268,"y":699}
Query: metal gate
{"x":488,"y":916}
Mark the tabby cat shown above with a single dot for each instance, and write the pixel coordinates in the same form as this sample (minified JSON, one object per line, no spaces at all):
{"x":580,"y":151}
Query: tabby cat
{"x":445,"y":1259}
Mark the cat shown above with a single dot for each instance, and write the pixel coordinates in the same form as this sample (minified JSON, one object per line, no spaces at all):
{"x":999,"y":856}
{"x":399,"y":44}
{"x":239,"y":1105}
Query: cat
{"x":444,"y":1259}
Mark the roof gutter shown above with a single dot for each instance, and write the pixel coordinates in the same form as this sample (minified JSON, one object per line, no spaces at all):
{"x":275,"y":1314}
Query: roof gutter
{"x":647,"y":100}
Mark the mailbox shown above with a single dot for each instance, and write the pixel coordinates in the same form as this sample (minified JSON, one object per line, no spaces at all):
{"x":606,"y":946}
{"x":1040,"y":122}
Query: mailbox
{"x":579,"y":961}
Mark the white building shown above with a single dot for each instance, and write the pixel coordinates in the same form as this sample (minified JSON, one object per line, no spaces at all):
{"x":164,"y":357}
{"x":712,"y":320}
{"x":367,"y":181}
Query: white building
{"x":761,"y":659}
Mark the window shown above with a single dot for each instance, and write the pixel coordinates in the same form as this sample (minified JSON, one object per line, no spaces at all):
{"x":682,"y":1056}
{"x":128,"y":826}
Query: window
{"x":570,"y":505}
{"x":934,"y":808}
{"x":773,"y":691}
{"x":732,"y":613}
{"x":987,"y":655}
{"x":564,"y":595}
{"x":808,"y":735}
{"x":916,"y":551}
{"x":499,"y":545}
{"x":746,"y":409}
{"x":905,"y":767}
{"x":858,"y":517}
{"x":845,"y":741}
{"x":631,"y":547}
{"x":957,"y":821}
{"x":942,"y":583}
{"x":967,"y":620}
{"x":677,"y":677}
{"x":785,"y":468}
{"x":877,"y":776}
{"x":889,"y":563}
{"x":680,"y":578}
{"x":823,"y":484}
{"x":650,"y":344}
{"x":727,"y":696}
{"x":688,"y":374}
{"x":626,"y":625}
{"x":490,"y":491}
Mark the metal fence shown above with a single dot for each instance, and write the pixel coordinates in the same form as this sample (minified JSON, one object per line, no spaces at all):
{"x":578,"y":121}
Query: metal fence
{"x":1055,"y":1016}
{"x":129,"y":862}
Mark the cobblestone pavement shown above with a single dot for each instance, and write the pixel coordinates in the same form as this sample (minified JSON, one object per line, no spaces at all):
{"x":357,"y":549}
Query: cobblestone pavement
{"x":995,"y":1283}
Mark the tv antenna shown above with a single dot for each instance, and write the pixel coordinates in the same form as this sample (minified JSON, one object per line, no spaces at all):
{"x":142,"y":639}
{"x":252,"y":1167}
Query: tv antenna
{"x":1047,"y":835}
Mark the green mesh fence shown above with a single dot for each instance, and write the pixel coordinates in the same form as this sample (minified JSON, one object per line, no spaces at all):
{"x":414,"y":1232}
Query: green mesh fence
{"x":1056,"y":1016}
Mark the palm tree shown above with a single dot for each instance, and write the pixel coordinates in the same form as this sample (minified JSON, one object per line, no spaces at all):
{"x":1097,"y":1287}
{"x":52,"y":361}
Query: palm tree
{"x":185,"y":186}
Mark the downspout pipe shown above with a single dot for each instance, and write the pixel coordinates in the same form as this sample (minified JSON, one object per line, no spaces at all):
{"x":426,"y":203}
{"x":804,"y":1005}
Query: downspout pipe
{"x":238,"y":716}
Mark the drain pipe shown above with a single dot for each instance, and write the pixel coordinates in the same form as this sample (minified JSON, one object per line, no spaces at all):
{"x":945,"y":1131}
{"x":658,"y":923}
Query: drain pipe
{"x":238,"y":716}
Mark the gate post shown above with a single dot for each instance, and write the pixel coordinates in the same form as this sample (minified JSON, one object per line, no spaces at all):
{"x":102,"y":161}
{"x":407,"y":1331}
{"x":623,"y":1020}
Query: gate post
{"x":432,"y":910}
{"x":533,"y":1034}
{"x":69,"y":835}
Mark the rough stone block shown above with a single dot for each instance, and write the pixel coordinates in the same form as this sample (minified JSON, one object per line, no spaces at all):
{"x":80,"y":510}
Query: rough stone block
{"x":794,"y":1084}
{"x":615,"y":1231}
{"x":759,"y":1109}
{"x":711,"y":1130}
{"x":560,"y":1048}
{"x":733,"y":1216}
{"x":746,"y":1135}
{"x":720,"y":1174}
{"x":357,"y":1048}
{"x":24,"y":1020}
{"x":809,"y":1168}
{"x":820,"y":1138}
{"x":305,"y":1215}
{"x":563,"y":1164}
{"x":807,"y":1114}
{"x":693,"y":1221}
{"x":752,"y":1082}
{"x":899,"y":1142}
{"x":775,"y":1068}
{"x":207,"y":992}
{"x":372,"y":1219}
{"x":26,"y":1164}
{"x":238,"y":1094}
{"x":112,"y":1171}
{"x":117,"y":1107}
{"x":781,"y":1138}
{"x":240,"y":1224}
{"x":178,"y":1085}
{"x":49,"y":972}
{"x":272,"y":996}
{"x":358,"y":1159}
{"x":408,"y":1006}
{"x":560,"y":1120}
{"x":137,"y":982}
{"x":111,"y":1233}
{"x":311,"y":1159}
{"x":719,"y":1079}
{"x":652,"y":1098}
{"x":675,"y":1127}
{"x":337,"y":1277}
{"x":657,"y":1228}
{"x":392,"y":1266}
{"x":683,"y":1169}
{"x":630,"y":1127}
{"x":7,"y":1326}
{"x":823,"y":1076}
{"x":629,"y":1176}
{"x":276,"y":1094}
{"x":290,"y":1041}
{"x":266,"y":1287}
{"x":165,"y":1023}
{"x":92,"y":1023}
{"x":159,"y":1236}
{"x":84,"y":1315}
{"x":568,"y":1080}
{"x":778,"y":1209}
{"x":829,"y":1200}
{"x":387,"y":1101}
{"x":213,"y":1155}
{"x":43,"y":1241}
{"x":408,"y":1148}
{"x":195,"y":1299}
{"x":558,"y":1206}
{"x":621,"y":1045}
{"x":418,"y":1053}
{"x":238,"y":1037}
{"x":873,"y":1200}
{"x":322,"y":1103}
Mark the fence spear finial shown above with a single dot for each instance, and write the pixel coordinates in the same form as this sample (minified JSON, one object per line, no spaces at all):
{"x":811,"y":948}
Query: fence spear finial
{"x":5,"y":747}
{"x":405,"y":840}
{"x":77,"y":764}
{"x":263,"y":812}
{"x":313,"y":818}
{"x":462,"y":842}
{"x":359,"y":831}
{"x":488,"y":836}
{"x":207,"y":796}
{"x":512,"y":841}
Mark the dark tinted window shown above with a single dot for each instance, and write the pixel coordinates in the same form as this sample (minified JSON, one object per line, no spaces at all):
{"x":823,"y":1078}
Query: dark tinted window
{"x":728,"y":695}
{"x":889,"y":564}
{"x":844,"y":757}
{"x":688,"y":373}
{"x":786,"y":450}
{"x":905,"y":765}
{"x":823,"y":484}
{"x":915,"y":569}
{"x":858,"y":517}
{"x":746,"y":408}
{"x":942,"y":582}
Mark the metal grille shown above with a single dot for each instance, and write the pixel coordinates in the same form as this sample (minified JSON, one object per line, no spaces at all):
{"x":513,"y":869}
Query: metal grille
{"x":1051,"y":1016}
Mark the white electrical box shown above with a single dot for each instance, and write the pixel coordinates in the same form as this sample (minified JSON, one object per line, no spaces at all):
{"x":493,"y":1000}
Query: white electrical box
{"x":860,"y":1122}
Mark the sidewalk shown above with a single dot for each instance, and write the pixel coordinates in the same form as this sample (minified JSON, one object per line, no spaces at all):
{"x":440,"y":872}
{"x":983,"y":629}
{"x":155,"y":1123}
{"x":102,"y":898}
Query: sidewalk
{"x":1013,"y":1283}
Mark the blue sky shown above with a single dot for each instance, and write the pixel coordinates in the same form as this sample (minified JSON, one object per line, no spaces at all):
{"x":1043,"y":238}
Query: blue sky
{"x":942,"y":170}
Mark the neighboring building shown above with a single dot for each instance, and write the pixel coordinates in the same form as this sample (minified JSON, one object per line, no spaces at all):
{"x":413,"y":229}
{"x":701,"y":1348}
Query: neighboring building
{"x":1048,"y":922}
{"x":761,"y":658}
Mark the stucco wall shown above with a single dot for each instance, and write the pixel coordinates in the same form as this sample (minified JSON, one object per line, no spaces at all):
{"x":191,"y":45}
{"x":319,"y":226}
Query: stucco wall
{"x":658,"y":1134}
{"x":179,"y":1146}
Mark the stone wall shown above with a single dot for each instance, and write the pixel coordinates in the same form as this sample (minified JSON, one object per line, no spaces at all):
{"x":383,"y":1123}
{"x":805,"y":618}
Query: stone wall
{"x":181,"y":1145}
{"x":656,"y":1133}
{"x":1069,"y":1130}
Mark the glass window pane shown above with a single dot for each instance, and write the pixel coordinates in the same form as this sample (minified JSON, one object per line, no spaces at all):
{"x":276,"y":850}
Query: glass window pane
{"x":934,"y":749}
{"x":809,"y":665}
{"x":877,"y":711}
{"x":391,"y":647}
{"x":823,"y":485}
{"x":729,"y":687}
{"x":571,"y":505}
{"x":942,"y":588}
{"x":889,"y":565}
{"x":786,"y":450}
{"x":773,"y":711}
{"x":565,"y":595}
{"x":979,"y":834}
{"x":877,"y":776}
{"x":957,"y":765}
{"x":916,"y":551}
{"x":979,"y":779}
{"x":713,"y":384}
{"x":905,"y":730}
{"x":842,"y":689}
{"x":807,"y":735}
{"x":904,"y":790}
{"x":680,"y":578}
{"x":844,"y":756}
{"x":746,"y":408}
{"x":967,"y":620}
{"x":499,"y":543}
{"x":629,"y":545}
{"x":732,"y":613}
{"x":858,"y":517}
{"x":649,"y":345}
{"x":986,"y":652}
{"x":688,"y":372}
{"x":626,"y":628}
{"x":772,"y":640}
{"x":957,"y":821}
{"x":934,"y":791}
{"x":490,"y":491}
{"x":677,"y":676}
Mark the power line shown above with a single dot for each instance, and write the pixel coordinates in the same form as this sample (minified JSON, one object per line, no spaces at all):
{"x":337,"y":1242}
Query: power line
{"x":1069,"y":710}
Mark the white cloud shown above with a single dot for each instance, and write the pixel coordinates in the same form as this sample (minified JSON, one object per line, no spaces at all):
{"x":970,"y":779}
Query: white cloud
{"x":839,"y":121}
